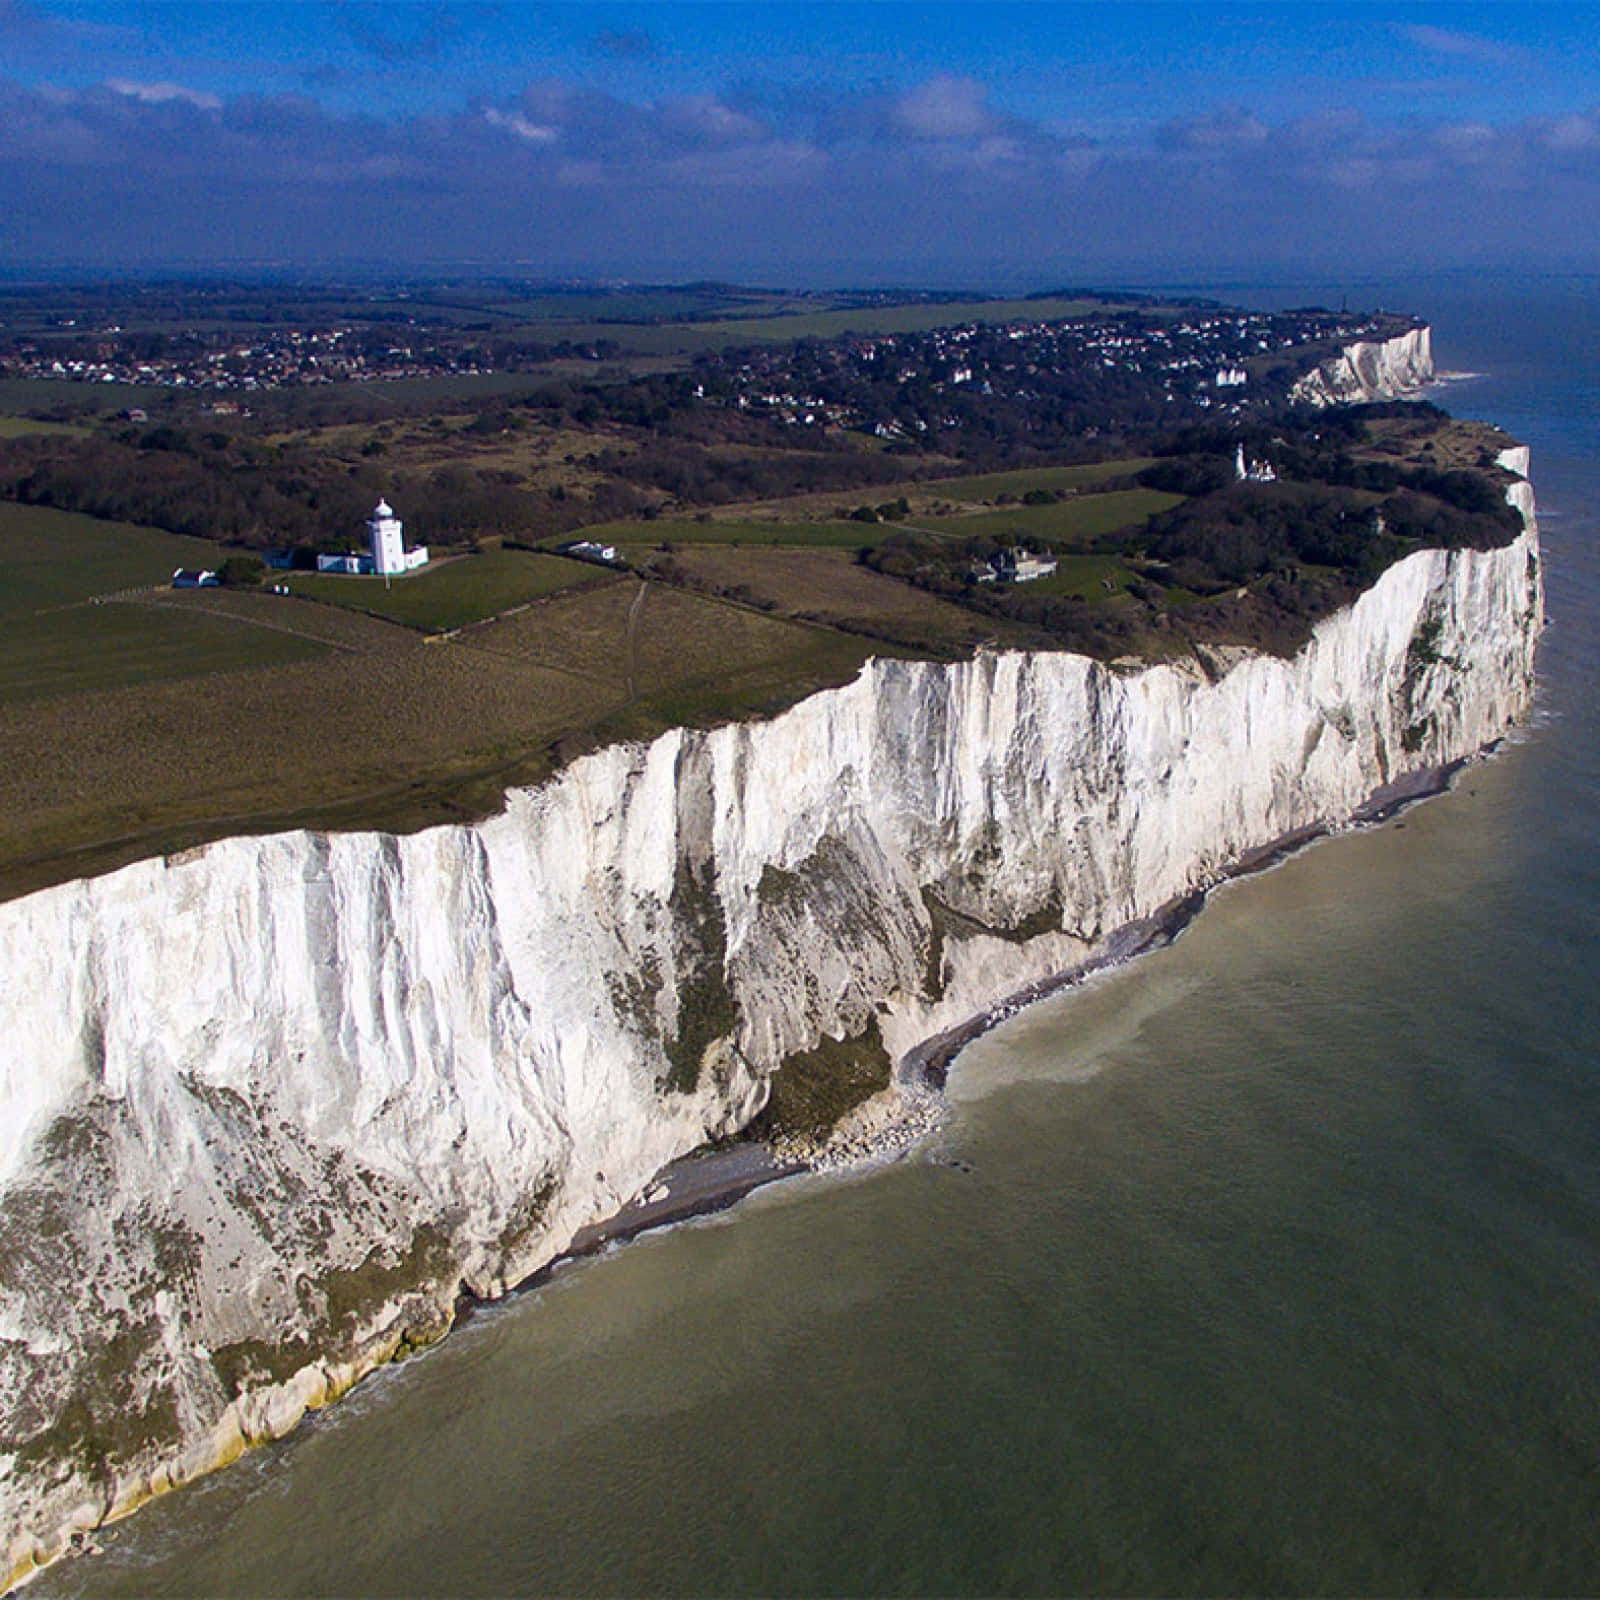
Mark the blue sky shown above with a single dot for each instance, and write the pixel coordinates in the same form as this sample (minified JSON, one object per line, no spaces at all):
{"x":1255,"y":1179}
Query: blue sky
{"x":817,"y":143}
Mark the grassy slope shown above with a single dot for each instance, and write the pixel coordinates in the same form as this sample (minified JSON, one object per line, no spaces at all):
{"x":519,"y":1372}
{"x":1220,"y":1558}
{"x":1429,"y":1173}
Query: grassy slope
{"x":832,"y":588}
{"x":55,"y":643}
{"x":1081,"y":518}
{"x":986,"y":486}
{"x":390,"y":732}
{"x":54,"y":558}
{"x":829,"y":534}
{"x":18,"y":427}
{"x":450,"y":594}
{"x":926,"y":495}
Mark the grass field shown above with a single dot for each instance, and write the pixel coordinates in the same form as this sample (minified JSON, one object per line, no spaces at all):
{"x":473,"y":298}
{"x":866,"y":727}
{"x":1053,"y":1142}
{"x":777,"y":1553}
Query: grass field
{"x":1095,"y":578}
{"x":830,"y":586}
{"x":48,"y":394}
{"x":453,"y":593}
{"x":54,"y":558}
{"x":799,"y":321}
{"x":990,"y":484}
{"x":900,"y":319}
{"x":100,"y":778}
{"x":934,"y":495}
{"x":54,"y":643}
{"x":686,"y":531}
{"x":20,"y":427}
{"x":698,"y":662}
{"x":615,"y":305}
{"x":1070,"y":521}
{"x":93,"y":647}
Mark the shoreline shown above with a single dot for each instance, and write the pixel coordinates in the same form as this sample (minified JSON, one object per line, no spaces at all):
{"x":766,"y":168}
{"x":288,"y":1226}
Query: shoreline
{"x":932,"y":1058}
{"x":707,"y":1181}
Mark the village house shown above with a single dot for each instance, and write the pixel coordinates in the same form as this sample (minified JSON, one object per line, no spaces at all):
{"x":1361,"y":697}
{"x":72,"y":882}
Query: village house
{"x":1016,"y":566}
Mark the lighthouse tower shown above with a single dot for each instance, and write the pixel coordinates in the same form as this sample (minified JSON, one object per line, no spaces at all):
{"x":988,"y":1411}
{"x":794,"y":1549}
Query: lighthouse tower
{"x":384,"y":530}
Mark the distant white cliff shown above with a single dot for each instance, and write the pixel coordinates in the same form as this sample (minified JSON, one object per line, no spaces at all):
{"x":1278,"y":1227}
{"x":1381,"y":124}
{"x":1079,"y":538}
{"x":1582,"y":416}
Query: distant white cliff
{"x":269,"y":1105}
{"x":1390,"y":369}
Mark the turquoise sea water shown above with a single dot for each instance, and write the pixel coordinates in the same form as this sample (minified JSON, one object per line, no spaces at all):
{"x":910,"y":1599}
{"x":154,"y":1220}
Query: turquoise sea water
{"x":1276,"y":1268}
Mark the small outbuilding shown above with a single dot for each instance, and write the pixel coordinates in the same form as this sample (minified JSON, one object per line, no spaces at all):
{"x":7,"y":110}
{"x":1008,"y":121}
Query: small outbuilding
{"x":195,"y":578}
{"x":589,"y":550}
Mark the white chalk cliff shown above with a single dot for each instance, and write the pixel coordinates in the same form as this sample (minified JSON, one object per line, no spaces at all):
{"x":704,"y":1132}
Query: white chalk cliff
{"x":1385,"y":369}
{"x":270,"y":1104}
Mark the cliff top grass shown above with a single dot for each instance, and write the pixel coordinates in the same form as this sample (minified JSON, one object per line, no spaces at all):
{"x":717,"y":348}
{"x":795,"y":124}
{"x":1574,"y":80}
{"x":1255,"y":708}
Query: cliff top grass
{"x":943,"y":492}
{"x":452,"y":592}
{"x":84,"y":607}
{"x":392,"y":731}
{"x":1071,"y":521}
{"x":829,"y":533}
{"x":155,"y":721}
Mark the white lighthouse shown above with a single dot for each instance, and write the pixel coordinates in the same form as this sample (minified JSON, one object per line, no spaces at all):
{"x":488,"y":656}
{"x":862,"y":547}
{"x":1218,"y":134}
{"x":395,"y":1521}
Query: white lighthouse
{"x":385,"y":534}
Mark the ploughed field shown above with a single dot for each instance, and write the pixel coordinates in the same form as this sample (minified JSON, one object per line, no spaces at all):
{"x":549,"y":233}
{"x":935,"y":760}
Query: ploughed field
{"x":141,"y":719}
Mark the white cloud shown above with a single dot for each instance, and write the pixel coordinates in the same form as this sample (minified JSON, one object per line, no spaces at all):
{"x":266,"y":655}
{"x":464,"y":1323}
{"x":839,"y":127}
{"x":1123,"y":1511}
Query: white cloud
{"x":514,"y":122}
{"x":1463,"y":46}
{"x":159,"y":94}
{"x":1468,"y":142}
{"x":1567,"y":134}
{"x":704,"y":116}
{"x":944,"y":108}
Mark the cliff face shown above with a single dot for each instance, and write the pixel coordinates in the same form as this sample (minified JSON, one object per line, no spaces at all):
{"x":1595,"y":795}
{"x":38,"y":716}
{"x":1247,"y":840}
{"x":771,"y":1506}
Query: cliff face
{"x":269,"y":1104}
{"x":1393,"y":369}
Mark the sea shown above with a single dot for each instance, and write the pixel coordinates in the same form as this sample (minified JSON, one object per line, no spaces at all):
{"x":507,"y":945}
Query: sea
{"x":1267,"y":1264}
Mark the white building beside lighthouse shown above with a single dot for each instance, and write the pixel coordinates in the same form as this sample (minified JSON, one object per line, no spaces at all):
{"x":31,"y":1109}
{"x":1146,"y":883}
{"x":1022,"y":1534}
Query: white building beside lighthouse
{"x":386,"y":548}
{"x":385,"y":535}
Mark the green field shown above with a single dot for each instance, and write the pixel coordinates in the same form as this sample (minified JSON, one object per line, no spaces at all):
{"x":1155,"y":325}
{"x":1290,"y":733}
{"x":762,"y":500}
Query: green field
{"x":831,"y":535}
{"x":928,"y":496}
{"x":117,"y":645}
{"x":901,"y":319}
{"x":453,"y":593}
{"x":20,"y":427}
{"x":1086,"y":578}
{"x":79,"y":398}
{"x":833,"y":589}
{"x":639,"y":305}
{"x":54,"y":642}
{"x":714,"y":333}
{"x":1070,"y":521}
{"x":989,"y":485}
{"x":54,"y":558}
{"x":95,"y":780}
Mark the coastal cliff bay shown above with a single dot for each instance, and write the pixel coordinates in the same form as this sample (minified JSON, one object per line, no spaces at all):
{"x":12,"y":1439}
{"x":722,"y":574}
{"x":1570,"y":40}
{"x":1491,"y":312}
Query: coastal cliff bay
{"x":277,"y":1105}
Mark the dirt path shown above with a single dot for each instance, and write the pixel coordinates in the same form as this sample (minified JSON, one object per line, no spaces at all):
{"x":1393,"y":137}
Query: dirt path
{"x":633,"y":634}
{"x":249,"y":622}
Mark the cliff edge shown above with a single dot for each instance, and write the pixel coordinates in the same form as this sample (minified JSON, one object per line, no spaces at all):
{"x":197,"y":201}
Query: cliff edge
{"x":1391,"y":369}
{"x":274,"y":1104}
